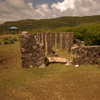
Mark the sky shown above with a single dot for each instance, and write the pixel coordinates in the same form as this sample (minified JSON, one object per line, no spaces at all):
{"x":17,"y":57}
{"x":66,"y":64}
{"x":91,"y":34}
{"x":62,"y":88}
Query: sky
{"x":13,"y":10}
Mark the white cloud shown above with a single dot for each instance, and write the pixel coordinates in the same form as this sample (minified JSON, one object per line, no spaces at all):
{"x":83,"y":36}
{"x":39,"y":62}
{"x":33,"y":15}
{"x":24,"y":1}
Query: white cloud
{"x":64,"y":5}
{"x":11,"y":10}
{"x":30,"y":4}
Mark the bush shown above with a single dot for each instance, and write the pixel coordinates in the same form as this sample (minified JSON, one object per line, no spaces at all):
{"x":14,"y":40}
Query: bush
{"x":46,"y":62}
{"x":9,"y":40}
{"x":14,"y":39}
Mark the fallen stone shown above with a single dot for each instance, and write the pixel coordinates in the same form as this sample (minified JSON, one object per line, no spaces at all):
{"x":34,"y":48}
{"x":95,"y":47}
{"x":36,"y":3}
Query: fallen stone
{"x":2,"y":43}
{"x":50,"y":60}
{"x":31,"y":66}
{"x":57,"y":60}
{"x":76,"y":65}
{"x":42,"y":66}
{"x":69,"y":63}
{"x":24,"y":32}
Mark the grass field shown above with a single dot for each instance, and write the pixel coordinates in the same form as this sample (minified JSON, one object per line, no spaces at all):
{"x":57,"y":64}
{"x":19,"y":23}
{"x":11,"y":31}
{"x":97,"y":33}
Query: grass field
{"x":55,"y":82}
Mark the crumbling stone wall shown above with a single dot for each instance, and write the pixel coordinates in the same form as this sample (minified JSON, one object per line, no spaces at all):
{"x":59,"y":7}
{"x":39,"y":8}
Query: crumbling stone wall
{"x":85,"y":54}
{"x":58,"y":40}
{"x":55,"y":39}
{"x":32,"y":53}
{"x":69,"y":41}
{"x":66,"y":41}
{"x":63,"y":40}
{"x":48,"y":43}
{"x":79,"y":43}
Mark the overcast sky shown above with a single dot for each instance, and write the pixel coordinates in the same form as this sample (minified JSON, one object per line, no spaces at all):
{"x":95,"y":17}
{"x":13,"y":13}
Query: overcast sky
{"x":12,"y":10}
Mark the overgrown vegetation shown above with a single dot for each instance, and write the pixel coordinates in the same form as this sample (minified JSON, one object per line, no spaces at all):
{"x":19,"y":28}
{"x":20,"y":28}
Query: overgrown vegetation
{"x":9,"y":40}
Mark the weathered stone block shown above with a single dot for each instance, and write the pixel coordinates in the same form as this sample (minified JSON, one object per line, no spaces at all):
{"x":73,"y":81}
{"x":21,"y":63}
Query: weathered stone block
{"x":31,"y":51}
{"x":88,"y":54}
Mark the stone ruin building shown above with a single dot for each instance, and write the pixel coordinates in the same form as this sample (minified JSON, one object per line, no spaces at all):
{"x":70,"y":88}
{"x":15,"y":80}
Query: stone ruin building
{"x":33,"y":48}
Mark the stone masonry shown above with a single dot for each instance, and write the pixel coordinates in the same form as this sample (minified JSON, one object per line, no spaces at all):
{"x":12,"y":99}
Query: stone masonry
{"x":32,"y":53}
{"x":34,"y":46}
{"x":48,"y":43}
{"x":66,"y":41}
{"x":63,"y":40}
{"x":82,"y":54}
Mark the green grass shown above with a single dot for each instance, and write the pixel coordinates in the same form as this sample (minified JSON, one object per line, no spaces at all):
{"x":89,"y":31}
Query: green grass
{"x":55,"y":82}
{"x":63,"y":53}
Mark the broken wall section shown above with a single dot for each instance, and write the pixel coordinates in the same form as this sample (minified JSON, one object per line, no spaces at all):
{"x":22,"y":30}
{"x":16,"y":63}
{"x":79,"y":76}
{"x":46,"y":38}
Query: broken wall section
{"x":63,"y":40}
{"x":32,"y":53}
{"x":66,"y":41}
{"x":69,"y":41}
{"x":49,"y":43}
{"x":85,"y":54}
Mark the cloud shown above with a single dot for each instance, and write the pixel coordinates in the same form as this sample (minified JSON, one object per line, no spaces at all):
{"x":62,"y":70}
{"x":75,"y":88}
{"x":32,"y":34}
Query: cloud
{"x":11,"y":10}
{"x":64,"y":5}
{"x":87,"y":7}
{"x":76,"y":8}
{"x":44,"y":11}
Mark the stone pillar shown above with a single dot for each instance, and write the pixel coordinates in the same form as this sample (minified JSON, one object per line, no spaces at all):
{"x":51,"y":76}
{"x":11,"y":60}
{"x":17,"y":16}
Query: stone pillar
{"x":58,"y":40}
{"x":55,"y":39}
{"x":69,"y":41}
{"x":46,"y":43}
{"x":32,"y":53}
{"x":61,"y":41}
{"x":37,"y":37}
{"x":42,"y":38}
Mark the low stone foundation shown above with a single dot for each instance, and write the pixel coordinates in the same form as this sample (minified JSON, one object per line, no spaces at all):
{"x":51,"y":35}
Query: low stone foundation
{"x":85,"y":54}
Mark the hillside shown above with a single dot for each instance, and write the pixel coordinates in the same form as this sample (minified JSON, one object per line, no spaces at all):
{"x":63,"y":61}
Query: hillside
{"x":30,"y":24}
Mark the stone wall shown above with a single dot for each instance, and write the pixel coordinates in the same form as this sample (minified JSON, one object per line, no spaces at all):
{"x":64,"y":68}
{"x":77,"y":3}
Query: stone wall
{"x":48,"y":43}
{"x":58,"y":40}
{"x":34,"y":46}
{"x":85,"y":54}
{"x":69,"y":41}
{"x":66,"y":41}
{"x":32,"y":53}
{"x":63,"y":40}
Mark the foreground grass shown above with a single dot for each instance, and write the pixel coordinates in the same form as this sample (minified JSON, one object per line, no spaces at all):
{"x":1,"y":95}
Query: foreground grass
{"x":55,"y":82}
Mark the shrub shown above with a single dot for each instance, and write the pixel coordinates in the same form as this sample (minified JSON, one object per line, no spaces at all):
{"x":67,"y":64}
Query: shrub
{"x":14,"y":39}
{"x":46,"y":62}
{"x":9,"y":40}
